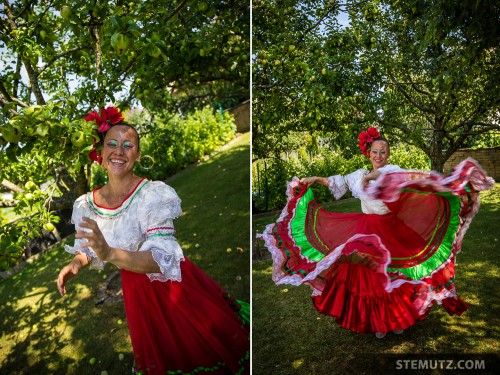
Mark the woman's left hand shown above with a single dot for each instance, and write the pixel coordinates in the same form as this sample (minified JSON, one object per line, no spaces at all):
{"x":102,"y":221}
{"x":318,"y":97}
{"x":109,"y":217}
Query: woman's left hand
{"x":94,"y":237}
{"x":368,"y":177}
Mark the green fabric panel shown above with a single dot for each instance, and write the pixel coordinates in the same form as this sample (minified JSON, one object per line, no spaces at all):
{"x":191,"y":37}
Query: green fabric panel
{"x":443,"y":253}
{"x":298,"y":228}
{"x":244,"y":312}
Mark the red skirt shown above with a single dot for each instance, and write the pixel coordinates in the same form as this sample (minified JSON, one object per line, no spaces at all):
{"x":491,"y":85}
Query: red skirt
{"x":377,"y":273}
{"x":184,"y":327}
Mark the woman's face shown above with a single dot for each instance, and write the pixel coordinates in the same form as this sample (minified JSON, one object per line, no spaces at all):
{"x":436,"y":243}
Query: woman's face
{"x":379,"y":154}
{"x":120,"y":150}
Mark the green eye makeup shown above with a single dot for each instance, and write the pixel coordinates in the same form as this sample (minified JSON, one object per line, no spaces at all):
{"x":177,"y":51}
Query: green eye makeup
{"x":114,"y":144}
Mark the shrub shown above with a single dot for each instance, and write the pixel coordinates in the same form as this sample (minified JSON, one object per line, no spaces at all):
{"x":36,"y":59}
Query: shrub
{"x":174,"y":142}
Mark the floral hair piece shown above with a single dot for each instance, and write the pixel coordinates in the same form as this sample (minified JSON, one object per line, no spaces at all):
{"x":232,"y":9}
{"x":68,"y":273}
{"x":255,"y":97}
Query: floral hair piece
{"x":109,"y":116}
{"x":366,"y":138}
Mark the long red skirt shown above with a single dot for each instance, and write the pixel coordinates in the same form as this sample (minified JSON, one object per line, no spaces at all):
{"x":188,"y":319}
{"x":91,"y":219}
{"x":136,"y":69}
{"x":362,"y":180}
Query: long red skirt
{"x":377,"y":273}
{"x":184,"y":327}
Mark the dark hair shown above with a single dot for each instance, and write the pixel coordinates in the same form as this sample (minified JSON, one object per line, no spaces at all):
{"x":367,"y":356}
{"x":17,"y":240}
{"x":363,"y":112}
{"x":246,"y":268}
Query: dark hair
{"x":381,"y":138}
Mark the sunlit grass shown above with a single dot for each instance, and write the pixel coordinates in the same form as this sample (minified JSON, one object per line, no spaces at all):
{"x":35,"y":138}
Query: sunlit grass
{"x":290,"y":337}
{"x":42,"y":333}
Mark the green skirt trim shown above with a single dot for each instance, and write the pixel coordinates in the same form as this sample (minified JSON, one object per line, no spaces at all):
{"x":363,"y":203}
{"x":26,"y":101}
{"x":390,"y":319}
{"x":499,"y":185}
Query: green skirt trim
{"x":244,"y":312}
{"x":298,"y":227}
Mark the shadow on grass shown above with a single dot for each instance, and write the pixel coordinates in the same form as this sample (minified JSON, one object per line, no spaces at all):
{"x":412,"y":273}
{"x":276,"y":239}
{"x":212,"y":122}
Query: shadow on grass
{"x":290,"y":337}
{"x":43,"y":333}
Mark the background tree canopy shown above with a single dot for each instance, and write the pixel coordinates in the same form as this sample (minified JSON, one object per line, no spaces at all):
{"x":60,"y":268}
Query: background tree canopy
{"x":425,"y":72}
{"x":62,"y":59}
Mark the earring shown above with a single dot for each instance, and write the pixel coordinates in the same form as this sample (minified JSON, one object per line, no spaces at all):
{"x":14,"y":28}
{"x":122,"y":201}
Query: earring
{"x":152,"y":162}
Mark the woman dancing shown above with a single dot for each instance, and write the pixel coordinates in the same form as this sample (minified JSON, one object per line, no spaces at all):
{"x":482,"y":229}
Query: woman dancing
{"x":180,"y":320}
{"x":381,"y":270}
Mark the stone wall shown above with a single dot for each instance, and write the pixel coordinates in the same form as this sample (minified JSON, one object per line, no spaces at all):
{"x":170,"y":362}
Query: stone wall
{"x":241,"y":114}
{"x":489,"y":158}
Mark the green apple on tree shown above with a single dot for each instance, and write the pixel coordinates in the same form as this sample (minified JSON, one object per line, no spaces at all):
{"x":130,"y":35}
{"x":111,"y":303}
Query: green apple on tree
{"x":48,"y":226}
{"x":66,"y":12}
{"x":78,"y":138}
{"x":30,"y":185}
{"x":120,"y":42}
{"x":10,"y":134}
{"x":202,"y":7}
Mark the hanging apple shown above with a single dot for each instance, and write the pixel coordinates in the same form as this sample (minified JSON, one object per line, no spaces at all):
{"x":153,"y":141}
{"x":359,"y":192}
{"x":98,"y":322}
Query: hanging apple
{"x":202,"y":7}
{"x":78,"y":138}
{"x":30,"y":185}
{"x":66,"y":12}
{"x":48,"y":226}
{"x":9,"y":134}
{"x":120,"y":42}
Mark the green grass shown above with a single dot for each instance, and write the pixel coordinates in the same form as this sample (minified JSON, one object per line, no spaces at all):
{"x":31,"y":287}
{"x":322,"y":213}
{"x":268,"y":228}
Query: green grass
{"x":290,"y":337}
{"x":42,"y":333}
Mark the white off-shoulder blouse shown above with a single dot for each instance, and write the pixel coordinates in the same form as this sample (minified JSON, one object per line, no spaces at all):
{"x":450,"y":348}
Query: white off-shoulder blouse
{"x":339,"y":185}
{"x":143,"y":222}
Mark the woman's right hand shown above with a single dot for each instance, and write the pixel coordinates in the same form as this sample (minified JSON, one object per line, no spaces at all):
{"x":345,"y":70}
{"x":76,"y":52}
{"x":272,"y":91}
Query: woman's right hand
{"x":66,"y":274}
{"x":309,"y":181}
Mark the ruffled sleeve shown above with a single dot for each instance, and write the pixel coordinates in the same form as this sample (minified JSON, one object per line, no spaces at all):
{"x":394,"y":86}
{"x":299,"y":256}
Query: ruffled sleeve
{"x":339,"y":185}
{"x":80,"y":209}
{"x":157,"y":211}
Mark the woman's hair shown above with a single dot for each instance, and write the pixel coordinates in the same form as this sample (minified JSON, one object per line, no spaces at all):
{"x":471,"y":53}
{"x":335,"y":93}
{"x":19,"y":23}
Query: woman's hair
{"x":382,"y":138}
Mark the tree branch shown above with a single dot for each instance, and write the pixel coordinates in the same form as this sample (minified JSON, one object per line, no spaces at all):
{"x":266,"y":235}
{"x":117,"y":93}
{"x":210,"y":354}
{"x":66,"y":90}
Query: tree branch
{"x":27,"y":64}
{"x":58,"y":56}
{"x":424,"y":110}
{"x":327,"y":12}
{"x":10,"y":98}
{"x":11,"y":186}
{"x":176,"y":10}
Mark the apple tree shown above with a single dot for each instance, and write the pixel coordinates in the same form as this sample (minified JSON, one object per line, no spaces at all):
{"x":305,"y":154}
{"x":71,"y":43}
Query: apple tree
{"x":425,"y":72}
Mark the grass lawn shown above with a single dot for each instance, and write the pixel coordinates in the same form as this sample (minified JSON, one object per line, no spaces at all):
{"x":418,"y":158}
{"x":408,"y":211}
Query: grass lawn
{"x":41,"y":333}
{"x":290,"y":337}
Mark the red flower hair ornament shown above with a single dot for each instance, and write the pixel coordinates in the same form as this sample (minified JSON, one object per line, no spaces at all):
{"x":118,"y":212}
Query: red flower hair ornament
{"x":109,"y":116}
{"x":366,"y":138}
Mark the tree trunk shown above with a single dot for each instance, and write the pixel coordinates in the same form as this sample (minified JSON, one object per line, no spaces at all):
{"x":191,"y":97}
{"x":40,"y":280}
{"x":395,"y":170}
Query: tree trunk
{"x":82,"y":185}
{"x":436,"y":149}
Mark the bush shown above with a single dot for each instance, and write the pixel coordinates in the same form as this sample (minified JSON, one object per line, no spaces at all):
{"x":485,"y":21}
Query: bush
{"x":174,"y":142}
